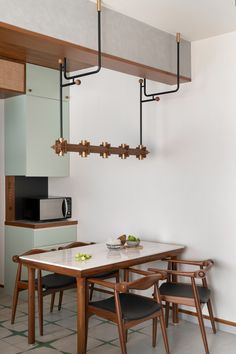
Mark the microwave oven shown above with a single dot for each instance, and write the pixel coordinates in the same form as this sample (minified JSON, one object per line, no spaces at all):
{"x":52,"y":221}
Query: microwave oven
{"x":48,"y":208}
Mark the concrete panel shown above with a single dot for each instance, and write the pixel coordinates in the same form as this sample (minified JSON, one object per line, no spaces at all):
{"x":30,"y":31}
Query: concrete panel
{"x":76,"y":21}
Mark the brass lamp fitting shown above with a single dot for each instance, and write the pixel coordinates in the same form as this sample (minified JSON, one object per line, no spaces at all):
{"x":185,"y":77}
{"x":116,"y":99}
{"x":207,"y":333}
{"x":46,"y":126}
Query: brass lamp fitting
{"x":143,"y":155}
{"x":126,"y":154}
{"x":105,"y":154}
{"x":85,"y":152}
{"x":177,"y":37}
{"x":99,"y":5}
{"x":60,"y":146}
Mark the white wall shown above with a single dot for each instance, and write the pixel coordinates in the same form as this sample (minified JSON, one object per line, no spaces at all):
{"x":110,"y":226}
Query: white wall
{"x":2,"y":192}
{"x":185,"y":191}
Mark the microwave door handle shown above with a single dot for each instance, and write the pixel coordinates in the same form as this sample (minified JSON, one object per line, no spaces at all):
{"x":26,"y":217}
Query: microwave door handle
{"x":65,"y":207}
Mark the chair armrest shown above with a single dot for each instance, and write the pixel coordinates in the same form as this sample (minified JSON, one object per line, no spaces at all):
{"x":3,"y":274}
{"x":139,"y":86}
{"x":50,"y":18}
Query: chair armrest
{"x":138,"y":271}
{"x":104,"y":283}
{"x":173,"y":272}
{"x":204,"y":263}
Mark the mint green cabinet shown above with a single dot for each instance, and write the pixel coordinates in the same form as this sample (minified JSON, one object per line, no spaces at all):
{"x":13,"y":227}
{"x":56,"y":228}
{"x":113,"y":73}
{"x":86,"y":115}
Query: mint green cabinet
{"x":32,"y":124}
{"x":43,"y":82}
{"x":21,"y":239}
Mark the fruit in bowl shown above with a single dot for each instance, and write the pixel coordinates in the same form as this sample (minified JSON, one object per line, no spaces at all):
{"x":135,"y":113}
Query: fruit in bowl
{"x":133,"y":241}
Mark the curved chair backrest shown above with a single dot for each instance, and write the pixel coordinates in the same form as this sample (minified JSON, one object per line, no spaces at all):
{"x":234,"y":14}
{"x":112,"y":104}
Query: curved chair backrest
{"x":140,"y":284}
{"x":75,"y":244}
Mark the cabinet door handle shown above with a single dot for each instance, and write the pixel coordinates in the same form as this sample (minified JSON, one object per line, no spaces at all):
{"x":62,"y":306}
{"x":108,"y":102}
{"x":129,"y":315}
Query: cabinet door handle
{"x":65,"y":208}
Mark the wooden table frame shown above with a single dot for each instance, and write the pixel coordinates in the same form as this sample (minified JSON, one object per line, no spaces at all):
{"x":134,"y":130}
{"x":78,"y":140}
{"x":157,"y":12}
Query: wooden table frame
{"x":82,"y":295}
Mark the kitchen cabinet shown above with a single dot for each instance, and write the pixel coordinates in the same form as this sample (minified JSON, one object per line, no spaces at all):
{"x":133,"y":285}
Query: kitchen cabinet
{"x":20,"y":239}
{"x":32,"y":124}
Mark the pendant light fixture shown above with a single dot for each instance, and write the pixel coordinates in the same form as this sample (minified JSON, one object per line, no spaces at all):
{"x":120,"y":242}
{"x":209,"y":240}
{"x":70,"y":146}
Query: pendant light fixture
{"x":84,"y":148}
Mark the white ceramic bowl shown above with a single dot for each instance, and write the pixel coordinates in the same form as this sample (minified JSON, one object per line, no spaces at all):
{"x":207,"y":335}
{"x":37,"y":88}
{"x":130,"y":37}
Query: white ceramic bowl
{"x":132,"y":243}
{"x":113,"y":246}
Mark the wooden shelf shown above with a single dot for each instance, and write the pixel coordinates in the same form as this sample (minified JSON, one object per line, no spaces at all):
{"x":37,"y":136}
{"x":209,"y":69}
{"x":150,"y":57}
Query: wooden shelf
{"x":41,"y":225}
{"x":30,"y":47}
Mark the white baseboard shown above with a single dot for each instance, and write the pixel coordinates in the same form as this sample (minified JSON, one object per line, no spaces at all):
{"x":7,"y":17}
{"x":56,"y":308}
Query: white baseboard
{"x":219,"y":326}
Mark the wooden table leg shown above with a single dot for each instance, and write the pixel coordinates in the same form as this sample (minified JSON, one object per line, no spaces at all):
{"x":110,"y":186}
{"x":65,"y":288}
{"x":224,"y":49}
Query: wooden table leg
{"x":81,"y":315}
{"x":31,"y":305}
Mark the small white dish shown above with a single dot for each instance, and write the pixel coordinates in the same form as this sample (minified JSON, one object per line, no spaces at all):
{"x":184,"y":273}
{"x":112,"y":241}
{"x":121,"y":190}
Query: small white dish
{"x":113,"y":246}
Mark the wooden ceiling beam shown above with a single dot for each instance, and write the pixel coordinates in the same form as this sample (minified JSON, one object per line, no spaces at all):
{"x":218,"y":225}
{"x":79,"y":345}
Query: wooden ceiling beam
{"x":30,"y":47}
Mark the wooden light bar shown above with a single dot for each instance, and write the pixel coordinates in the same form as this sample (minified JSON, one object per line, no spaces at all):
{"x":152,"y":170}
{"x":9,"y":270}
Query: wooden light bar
{"x":84,"y":149}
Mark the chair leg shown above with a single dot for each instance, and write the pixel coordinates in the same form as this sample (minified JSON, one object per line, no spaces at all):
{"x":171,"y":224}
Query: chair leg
{"x":167,"y":311}
{"x":126,"y":335}
{"x":60,"y":300}
{"x":164,"y":333}
{"x":40,"y":309}
{"x":202,"y":327}
{"x":120,"y":324}
{"x":122,"y":337}
{"x":154,"y":332}
{"x":209,"y":306}
{"x":52,"y":301}
{"x":91,"y":292}
{"x":14,"y":303}
{"x":117,"y":277}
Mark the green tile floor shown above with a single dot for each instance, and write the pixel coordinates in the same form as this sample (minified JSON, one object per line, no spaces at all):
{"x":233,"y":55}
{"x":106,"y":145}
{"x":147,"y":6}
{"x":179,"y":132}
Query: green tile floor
{"x":60,"y":333}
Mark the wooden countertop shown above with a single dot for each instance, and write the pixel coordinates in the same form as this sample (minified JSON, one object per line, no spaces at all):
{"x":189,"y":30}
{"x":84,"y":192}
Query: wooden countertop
{"x":40,"y":225}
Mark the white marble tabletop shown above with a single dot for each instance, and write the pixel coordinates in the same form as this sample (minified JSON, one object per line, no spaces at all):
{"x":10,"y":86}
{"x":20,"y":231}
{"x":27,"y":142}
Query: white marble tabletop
{"x":101,"y":256}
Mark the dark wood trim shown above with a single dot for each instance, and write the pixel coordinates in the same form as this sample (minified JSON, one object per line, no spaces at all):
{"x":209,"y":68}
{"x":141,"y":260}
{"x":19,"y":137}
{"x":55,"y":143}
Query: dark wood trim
{"x":10,"y":198}
{"x":44,"y":225}
{"x":26,"y":46}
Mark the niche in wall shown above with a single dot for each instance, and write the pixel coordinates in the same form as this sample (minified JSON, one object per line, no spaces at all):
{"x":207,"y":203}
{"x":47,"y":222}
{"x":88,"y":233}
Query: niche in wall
{"x":20,"y":187}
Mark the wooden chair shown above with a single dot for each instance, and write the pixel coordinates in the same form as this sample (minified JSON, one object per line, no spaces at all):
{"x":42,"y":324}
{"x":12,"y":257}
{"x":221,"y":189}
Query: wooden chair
{"x":128,"y":309}
{"x":45,"y":285}
{"x":104,"y":275}
{"x":188,"y":294}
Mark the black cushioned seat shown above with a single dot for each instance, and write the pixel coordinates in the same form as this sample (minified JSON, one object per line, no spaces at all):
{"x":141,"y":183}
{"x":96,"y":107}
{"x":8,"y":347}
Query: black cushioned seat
{"x":55,"y":280}
{"x":133,"y":307}
{"x":184,"y":290}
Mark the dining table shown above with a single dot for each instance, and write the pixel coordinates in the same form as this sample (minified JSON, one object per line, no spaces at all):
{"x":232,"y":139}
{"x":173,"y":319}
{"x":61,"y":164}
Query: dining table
{"x":102,"y":260}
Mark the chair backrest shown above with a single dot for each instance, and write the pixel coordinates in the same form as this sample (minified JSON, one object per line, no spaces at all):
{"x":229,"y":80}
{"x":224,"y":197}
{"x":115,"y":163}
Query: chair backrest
{"x":75,"y":244}
{"x":16,"y":259}
{"x":141,"y":283}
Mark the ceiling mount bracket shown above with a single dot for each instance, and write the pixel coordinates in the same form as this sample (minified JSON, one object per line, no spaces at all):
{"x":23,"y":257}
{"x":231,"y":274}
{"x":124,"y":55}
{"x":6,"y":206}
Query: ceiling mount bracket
{"x":99,"y":60}
{"x":154,"y":96}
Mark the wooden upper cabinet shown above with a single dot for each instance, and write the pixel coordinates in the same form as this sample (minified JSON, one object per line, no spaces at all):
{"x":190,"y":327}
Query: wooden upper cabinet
{"x":12,"y":78}
{"x":26,"y":46}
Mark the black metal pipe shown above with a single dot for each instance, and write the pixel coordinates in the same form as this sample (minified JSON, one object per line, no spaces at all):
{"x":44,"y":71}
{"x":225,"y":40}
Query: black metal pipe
{"x":99,"y":65}
{"x":141,"y":112}
{"x":165,"y":92}
{"x":61,"y":103}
